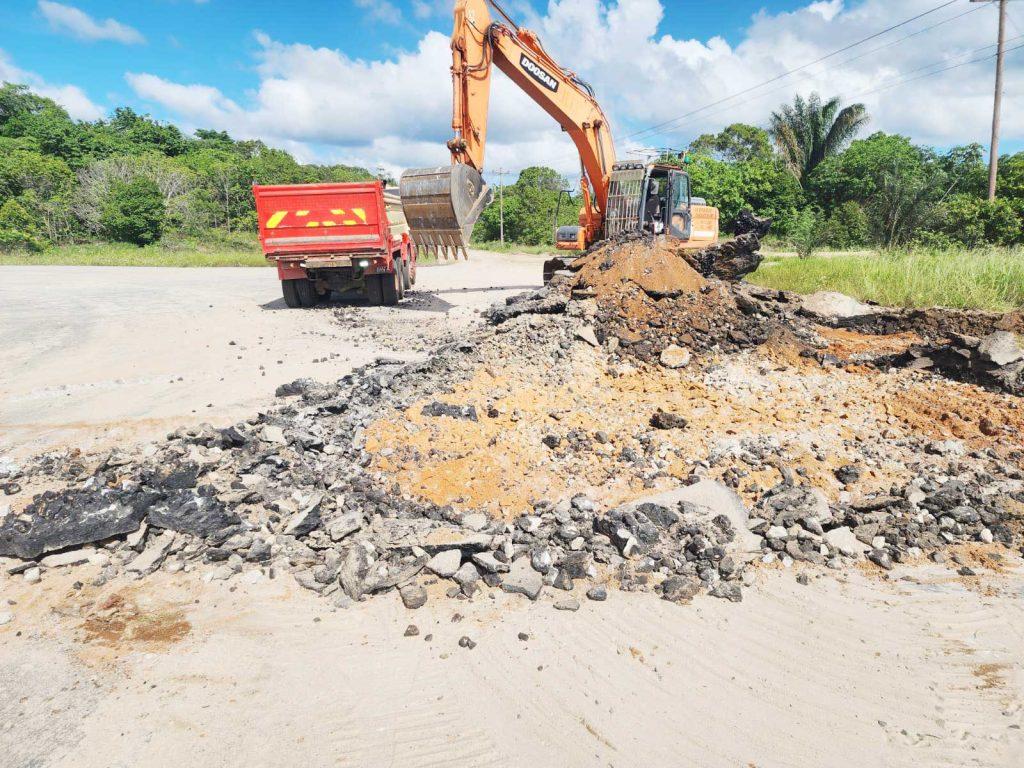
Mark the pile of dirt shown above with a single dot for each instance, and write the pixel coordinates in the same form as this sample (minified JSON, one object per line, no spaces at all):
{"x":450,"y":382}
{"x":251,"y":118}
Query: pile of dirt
{"x":649,"y":264}
{"x":650,"y":297}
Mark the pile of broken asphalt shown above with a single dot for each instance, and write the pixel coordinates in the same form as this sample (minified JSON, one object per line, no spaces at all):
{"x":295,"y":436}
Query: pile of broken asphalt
{"x":636,"y":425}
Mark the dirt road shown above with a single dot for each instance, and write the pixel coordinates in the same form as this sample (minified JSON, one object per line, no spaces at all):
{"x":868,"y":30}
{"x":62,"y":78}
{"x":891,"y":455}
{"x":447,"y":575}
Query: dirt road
{"x":102,"y":356}
{"x":847,"y":670}
{"x":853,"y":664}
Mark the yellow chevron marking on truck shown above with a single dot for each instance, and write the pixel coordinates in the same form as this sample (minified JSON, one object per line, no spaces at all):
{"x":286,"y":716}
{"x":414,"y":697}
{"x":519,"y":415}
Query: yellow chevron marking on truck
{"x":360,"y":213}
{"x":275,"y":219}
{"x":279,"y":216}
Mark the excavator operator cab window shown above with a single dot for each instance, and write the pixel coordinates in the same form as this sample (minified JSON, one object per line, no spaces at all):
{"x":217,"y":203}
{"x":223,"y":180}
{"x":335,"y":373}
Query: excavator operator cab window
{"x":680,"y":218}
{"x":655,"y":204}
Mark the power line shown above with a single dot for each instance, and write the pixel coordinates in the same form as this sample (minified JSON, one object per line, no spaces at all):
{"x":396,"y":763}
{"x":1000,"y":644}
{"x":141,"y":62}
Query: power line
{"x":902,"y":39}
{"x":802,"y":67}
{"x":940,"y":71}
{"x":888,"y":83}
{"x":843,"y":63}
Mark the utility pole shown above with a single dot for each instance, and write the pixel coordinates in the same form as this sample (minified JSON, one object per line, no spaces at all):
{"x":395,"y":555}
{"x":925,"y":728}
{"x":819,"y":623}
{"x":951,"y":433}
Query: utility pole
{"x":993,"y":159}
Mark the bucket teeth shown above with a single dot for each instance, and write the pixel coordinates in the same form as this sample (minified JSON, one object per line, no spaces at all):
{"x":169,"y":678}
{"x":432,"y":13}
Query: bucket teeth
{"x":441,"y":206}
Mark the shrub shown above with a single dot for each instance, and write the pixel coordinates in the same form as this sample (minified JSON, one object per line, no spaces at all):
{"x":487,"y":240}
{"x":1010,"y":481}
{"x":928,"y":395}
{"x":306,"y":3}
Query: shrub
{"x":934,"y":241}
{"x":848,"y":226}
{"x":808,"y":233}
{"x":971,"y":221}
{"x":133,"y":211}
{"x":19,"y":230}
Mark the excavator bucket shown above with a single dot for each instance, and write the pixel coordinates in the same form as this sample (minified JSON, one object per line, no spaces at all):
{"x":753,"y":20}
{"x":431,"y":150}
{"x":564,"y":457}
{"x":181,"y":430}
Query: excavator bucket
{"x":442,"y":205}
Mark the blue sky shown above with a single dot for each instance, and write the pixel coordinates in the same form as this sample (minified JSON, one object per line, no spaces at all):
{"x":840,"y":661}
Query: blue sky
{"x":214,"y":41}
{"x":298,"y":74}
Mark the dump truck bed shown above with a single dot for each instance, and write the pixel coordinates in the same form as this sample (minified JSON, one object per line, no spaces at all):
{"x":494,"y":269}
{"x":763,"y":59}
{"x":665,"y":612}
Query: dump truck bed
{"x":327,"y":238}
{"x":308,"y":219}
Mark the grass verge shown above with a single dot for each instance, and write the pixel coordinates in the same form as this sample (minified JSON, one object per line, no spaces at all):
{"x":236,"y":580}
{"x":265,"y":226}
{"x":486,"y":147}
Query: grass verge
{"x":237,"y":251}
{"x":178,"y":252}
{"x":984,"y":278}
{"x":497,"y":246}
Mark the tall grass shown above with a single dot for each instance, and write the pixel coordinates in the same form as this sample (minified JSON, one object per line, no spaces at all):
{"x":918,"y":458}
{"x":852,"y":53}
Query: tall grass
{"x":983,"y":278}
{"x":215,"y":250}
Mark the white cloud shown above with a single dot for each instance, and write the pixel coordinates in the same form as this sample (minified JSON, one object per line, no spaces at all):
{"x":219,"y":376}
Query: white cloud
{"x":71,"y":20}
{"x":381,"y":10}
{"x":389,"y":112}
{"x":71,"y":97}
{"x":397,"y":111}
{"x":827,"y":9}
{"x":666,"y":77}
{"x":200,"y":103}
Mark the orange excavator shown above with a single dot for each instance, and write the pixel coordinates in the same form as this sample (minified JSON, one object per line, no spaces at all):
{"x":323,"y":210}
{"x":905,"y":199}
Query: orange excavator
{"x":442,"y":204}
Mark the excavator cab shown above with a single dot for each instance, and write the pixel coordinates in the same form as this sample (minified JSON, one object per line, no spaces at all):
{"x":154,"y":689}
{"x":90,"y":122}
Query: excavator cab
{"x":665,"y":208}
{"x":653,"y":199}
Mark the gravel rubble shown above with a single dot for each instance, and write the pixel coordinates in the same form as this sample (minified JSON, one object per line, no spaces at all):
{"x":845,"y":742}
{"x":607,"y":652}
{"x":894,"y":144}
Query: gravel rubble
{"x":292,"y":489}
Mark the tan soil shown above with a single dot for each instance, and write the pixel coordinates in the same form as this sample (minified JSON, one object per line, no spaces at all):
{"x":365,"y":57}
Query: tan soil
{"x":991,"y":675}
{"x":655,"y":270}
{"x":118,"y":620}
{"x":844,"y":343}
{"x":948,"y":409}
{"x":501,"y":464}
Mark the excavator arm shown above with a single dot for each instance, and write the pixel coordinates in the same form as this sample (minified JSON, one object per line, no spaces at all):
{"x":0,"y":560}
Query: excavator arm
{"x":442,"y":204}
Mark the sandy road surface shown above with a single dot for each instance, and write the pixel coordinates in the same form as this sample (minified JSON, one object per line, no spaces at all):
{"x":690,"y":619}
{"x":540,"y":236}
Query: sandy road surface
{"x":847,"y":671}
{"x":917,"y":668}
{"x":100,"y":356}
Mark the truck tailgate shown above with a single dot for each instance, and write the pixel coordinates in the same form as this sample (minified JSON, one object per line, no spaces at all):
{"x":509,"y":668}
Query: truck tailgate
{"x":304,"y":219}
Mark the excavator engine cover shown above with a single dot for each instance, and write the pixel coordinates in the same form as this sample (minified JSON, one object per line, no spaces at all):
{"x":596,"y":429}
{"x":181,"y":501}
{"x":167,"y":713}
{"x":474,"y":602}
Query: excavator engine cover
{"x":442,"y":204}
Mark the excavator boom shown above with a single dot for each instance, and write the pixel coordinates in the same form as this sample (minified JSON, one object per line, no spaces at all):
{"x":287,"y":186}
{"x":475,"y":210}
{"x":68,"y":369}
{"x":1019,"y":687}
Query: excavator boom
{"x":442,"y":204}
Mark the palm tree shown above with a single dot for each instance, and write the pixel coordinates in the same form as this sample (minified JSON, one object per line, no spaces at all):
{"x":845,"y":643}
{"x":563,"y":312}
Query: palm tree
{"x":808,"y":131}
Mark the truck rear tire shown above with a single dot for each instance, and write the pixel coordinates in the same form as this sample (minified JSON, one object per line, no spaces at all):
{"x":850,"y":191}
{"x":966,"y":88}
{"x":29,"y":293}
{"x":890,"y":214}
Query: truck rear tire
{"x":374,"y":289}
{"x":390,"y":287}
{"x":406,"y":277}
{"x":307,"y":292}
{"x":297,"y":293}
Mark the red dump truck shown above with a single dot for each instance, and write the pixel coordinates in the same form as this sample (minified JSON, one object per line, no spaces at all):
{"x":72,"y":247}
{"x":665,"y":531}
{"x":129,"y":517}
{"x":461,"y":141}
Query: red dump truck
{"x":336,"y":237}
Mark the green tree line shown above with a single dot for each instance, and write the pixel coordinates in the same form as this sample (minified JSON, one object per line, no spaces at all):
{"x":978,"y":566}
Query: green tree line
{"x":819,"y":184}
{"x":529,"y":208}
{"x":130,"y":178}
